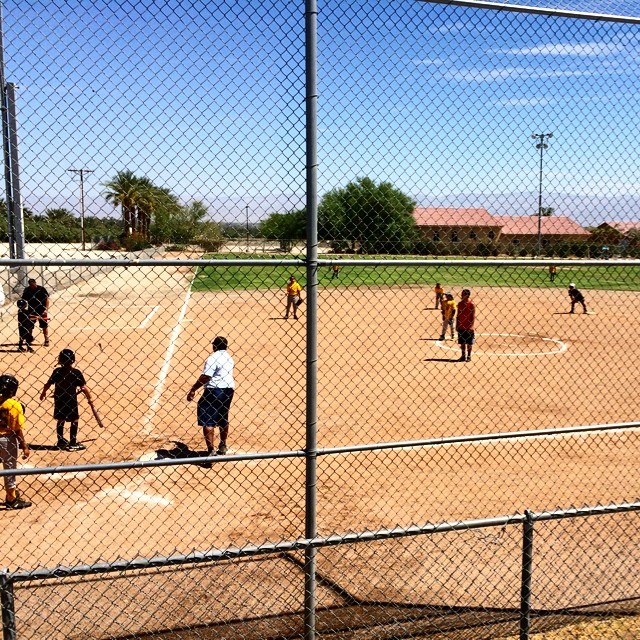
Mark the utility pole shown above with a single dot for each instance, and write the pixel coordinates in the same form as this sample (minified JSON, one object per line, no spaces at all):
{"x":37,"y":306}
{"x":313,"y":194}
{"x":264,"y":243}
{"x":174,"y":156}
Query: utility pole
{"x":82,"y":173}
{"x":542,"y":145}
{"x":247,"y":217}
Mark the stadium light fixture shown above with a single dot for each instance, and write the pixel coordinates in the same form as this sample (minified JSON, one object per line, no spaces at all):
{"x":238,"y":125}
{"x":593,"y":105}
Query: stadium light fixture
{"x":542,"y":145}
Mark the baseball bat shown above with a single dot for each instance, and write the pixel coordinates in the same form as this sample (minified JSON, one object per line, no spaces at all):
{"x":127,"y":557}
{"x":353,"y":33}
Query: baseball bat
{"x":96,"y":415}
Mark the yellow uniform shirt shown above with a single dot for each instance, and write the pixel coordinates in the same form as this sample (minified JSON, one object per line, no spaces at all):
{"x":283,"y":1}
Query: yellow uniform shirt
{"x":294,"y":289}
{"x":448,"y":309}
{"x":439,"y":290}
{"x":11,"y":417}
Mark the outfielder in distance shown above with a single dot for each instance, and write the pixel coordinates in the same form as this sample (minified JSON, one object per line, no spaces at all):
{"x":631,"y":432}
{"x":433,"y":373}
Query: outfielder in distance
{"x":69,"y":382}
{"x":215,"y":402}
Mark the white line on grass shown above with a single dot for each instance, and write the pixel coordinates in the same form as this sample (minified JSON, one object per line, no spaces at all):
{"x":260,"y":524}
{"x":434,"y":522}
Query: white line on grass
{"x":147,"y":420}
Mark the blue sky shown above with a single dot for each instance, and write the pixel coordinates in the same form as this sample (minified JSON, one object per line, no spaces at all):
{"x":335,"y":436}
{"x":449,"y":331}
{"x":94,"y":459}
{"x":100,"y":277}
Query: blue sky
{"x":207,"y":99}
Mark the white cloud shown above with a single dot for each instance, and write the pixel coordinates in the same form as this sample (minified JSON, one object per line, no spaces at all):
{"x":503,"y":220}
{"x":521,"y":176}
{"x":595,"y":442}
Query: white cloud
{"x":428,"y":61}
{"x":523,"y":102}
{"x":480,"y":75}
{"x":450,"y":27}
{"x":587,"y":49}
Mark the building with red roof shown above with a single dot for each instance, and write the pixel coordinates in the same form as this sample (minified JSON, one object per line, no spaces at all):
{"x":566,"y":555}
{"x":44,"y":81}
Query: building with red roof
{"x":523,"y":230}
{"x":456,"y":226}
{"x":460,"y":230}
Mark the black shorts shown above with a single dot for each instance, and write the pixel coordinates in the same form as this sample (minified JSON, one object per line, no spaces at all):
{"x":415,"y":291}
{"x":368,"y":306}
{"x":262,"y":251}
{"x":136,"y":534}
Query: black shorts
{"x":466,"y":337}
{"x":65,"y":407}
{"x":213,"y":407}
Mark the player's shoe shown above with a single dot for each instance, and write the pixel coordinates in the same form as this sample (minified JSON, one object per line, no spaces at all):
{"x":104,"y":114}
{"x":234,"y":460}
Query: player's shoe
{"x":76,"y":446}
{"x":21,"y":348}
{"x":46,"y":343}
{"x":442,"y":338}
{"x":62,"y":443}
{"x":18,"y":503}
{"x":29,"y":349}
{"x":222,"y":450}
{"x":468,"y":358}
{"x":461,"y":359}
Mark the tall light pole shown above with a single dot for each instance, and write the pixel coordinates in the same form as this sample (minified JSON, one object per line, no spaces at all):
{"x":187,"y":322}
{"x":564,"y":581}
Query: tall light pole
{"x":542,"y":145}
{"x":82,"y":173}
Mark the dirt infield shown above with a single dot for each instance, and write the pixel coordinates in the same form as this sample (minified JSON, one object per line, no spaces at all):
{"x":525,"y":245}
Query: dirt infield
{"x":141,"y":338}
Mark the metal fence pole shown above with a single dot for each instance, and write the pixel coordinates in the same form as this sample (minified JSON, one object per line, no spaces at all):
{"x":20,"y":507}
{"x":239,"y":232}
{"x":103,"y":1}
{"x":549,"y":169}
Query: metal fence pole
{"x":7,"y":602}
{"x":311,"y":98}
{"x":525,"y":588}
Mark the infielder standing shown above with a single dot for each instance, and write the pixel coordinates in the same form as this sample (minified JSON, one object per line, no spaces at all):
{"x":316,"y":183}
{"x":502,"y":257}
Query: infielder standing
{"x":465,"y":325}
{"x":293,"y":297}
{"x":448,"y":313}
{"x":576,"y":298}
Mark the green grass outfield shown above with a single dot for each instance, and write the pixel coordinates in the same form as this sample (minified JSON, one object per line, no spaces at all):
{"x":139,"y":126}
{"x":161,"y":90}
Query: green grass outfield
{"x":609,"y":277}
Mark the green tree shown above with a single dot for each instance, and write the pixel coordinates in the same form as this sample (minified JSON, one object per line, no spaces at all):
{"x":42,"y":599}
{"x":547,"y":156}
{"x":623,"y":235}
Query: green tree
{"x":132,"y":194}
{"x":367,"y":217}
{"x":210,"y":236}
{"x":60,"y":216}
{"x":177,"y":224}
{"x":288,"y":226}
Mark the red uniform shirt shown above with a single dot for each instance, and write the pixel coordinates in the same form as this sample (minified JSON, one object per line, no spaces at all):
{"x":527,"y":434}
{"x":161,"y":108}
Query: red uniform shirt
{"x":466,"y":318}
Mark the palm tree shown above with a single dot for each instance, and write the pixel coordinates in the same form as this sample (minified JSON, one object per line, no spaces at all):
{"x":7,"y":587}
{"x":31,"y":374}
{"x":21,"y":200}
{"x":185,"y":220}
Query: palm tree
{"x":127,"y":191}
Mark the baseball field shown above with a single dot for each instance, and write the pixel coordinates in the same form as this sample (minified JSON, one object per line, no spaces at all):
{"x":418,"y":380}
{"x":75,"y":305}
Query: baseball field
{"x":141,"y":335}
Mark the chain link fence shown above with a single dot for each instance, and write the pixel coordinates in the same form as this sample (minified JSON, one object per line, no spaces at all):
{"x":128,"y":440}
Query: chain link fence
{"x":319,"y":185}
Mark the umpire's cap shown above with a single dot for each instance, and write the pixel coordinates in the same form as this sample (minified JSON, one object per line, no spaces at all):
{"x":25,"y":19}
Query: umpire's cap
{"x":572,"y":286}
{"x":67,"y":356}
{"x":8,"y":385}
{"x":219,"y":343}
{"x":22,"y":304}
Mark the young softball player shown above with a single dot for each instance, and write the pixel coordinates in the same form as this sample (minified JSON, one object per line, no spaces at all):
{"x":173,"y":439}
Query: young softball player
{"x":25,"y":326}
{"x":439,"y":291}
{"x":11,"y":438}
{"x":448,"y":313}
{"x":69,"y":382}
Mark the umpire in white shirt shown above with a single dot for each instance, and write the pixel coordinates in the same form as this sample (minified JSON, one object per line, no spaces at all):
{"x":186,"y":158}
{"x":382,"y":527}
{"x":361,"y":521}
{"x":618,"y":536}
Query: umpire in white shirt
{"x":215,"y":402}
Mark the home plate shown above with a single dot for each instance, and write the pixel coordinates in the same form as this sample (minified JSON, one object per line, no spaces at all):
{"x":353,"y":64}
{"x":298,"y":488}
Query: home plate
{"x":135,"y":497}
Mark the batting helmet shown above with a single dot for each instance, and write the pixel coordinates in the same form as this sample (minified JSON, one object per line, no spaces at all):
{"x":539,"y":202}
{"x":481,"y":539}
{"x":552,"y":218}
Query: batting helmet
{"x":67,"y":356}
{"x":22,"y":304}
{"x":8,"y":385}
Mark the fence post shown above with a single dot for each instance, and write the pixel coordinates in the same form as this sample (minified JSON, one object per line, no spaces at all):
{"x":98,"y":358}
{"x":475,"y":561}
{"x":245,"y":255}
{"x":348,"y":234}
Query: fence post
{"x":8,"y":607}
{"x":525,"y":586}
{"x":311,"y":129}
